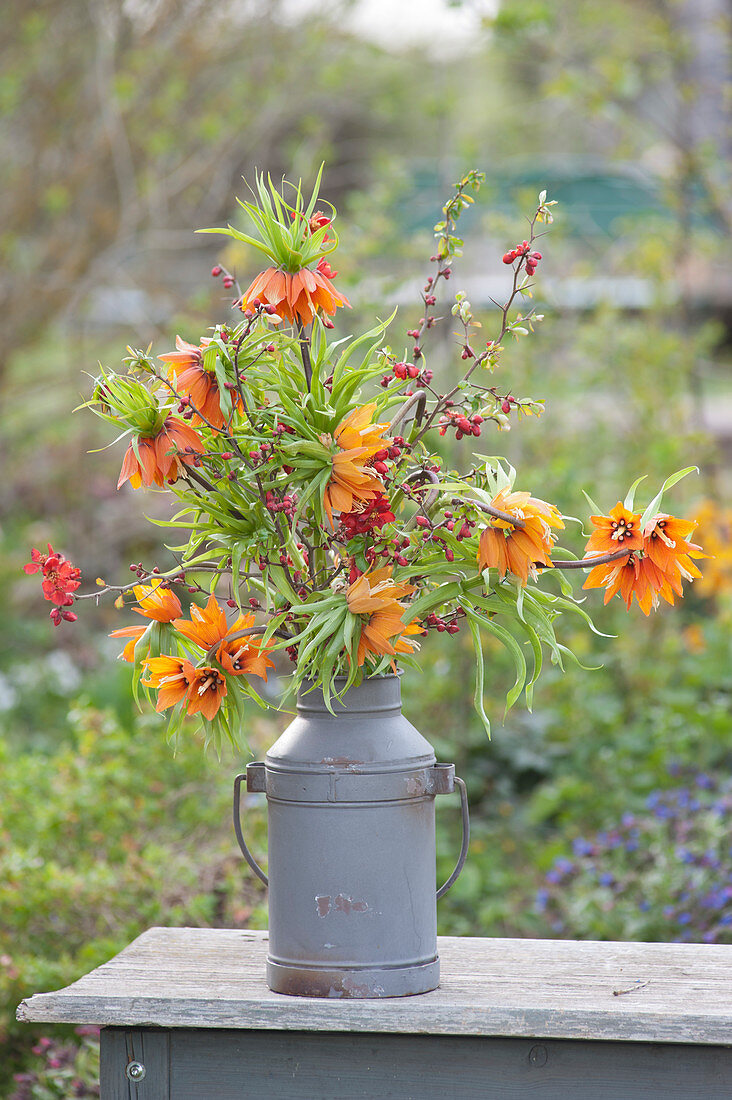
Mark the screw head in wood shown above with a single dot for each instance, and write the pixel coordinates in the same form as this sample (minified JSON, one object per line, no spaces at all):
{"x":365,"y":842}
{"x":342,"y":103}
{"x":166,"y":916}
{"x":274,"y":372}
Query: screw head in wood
{"x":135,"y":1071}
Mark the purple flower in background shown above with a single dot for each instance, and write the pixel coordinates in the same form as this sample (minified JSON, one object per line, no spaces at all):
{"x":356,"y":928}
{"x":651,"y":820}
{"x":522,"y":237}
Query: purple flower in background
{"x":664,"y":873}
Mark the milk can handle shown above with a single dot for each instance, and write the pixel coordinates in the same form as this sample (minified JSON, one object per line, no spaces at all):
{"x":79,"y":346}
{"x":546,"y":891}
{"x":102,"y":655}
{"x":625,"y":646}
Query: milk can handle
{"x":239,"y":835}
{"x":466,"y":838}
{"x":440,"y":893}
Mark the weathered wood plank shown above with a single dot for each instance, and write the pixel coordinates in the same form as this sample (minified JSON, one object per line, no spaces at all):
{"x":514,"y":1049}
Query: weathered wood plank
{"x":206,"y":978}
{"x":235,"y":1065}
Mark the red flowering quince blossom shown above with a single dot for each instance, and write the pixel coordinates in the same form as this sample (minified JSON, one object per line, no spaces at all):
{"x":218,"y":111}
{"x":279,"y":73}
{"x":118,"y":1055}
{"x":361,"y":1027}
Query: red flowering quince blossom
{"x":60,"y":579}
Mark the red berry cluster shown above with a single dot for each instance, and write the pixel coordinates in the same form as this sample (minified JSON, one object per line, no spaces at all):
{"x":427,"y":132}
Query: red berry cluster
{"x":259,"y":307}
{"x":464,"y":532}
{"x":521,"y":250}
{"x":430,"y":534}
{"x":442,"y":626}
{"x":430,"y":530}
{"x":60,"y":579}
{"x":446,"y":272}
{"x":228,"y":279}
{"x":390,"y":549}
{"x":392,"y":452}
{"x":397,"y":545}
{"x":148,"y":574}
{"x":464,"y":425}
{"x":286,"y":504}
{"x":466,"y":526}
{"x":407,"y":370}
{"x":263,"y":454}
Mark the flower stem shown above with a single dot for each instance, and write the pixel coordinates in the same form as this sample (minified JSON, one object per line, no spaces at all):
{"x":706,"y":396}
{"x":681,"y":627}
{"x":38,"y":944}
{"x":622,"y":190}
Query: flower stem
{"x":305,"y":353}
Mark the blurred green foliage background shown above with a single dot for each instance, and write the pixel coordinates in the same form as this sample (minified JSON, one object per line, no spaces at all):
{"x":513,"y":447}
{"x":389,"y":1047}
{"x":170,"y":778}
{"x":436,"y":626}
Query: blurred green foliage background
{"x":128,"y":125}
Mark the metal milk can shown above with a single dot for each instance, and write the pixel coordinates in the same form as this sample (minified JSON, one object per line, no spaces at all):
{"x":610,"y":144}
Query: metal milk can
{"x":351,"y":819}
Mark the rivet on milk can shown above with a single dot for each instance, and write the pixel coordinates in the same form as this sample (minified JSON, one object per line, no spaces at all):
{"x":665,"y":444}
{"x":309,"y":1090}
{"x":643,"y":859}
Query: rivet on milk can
{"x":351,"y":818}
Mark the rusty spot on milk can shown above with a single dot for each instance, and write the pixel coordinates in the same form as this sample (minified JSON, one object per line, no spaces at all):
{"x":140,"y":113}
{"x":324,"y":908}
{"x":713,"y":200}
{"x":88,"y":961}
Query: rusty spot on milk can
{"x":339,"y":904}
{"x":323,"y":904}
{"x":342,"y":904}
{"x":306,"y":983}
{"x":341,"y":762}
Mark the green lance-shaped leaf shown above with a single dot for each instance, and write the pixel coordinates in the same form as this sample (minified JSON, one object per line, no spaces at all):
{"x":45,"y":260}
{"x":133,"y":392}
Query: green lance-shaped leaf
{"x":371,"y":338}
{"x":330,"y":658}
{"x":333,"y":623}
{"x":597,"y":510}
{"x":655,"y":506}
{"x":630,"y":497}
{"x":509,"y":642}
{"x":224,"y":395}
{"x":229,"y":231}
{"x":474,"y":625}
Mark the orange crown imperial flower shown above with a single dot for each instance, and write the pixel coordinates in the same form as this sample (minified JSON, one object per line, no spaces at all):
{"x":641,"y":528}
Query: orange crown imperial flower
{"x":635,"y":577}
{"x":187,"y":355}
{"x":209,"y":629}
{"x":376,"y":595}
{"x":620,"y":530}
{"x":193,"y":380}
{"x":153,"y":460}
{"x":296,"y":238}
{"x":207,"y":692}
{"x":207,"y":625}
{"x":176,"y":680}
{"x":518,"y":550}
{"x":155,"y":602}
{"x":665,"y":542}
{"x":657,"y":569}
{"x":357,"y":430}
{"x":352,"y":481}
{"x":296,"y":297}
{"x":171,"y":676}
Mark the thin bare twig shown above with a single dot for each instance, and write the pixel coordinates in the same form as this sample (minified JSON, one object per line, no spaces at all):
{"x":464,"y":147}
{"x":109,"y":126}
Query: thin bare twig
{"x":589,"y":563}
{"x":496,"y":513}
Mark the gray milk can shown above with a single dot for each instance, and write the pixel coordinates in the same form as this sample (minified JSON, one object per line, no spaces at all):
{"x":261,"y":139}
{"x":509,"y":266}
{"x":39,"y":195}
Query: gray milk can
{"x":351,"y":818}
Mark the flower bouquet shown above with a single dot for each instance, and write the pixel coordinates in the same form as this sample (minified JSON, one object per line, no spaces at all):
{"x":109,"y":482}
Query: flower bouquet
{"x":322,"y":518}
{"x":325,"y":526}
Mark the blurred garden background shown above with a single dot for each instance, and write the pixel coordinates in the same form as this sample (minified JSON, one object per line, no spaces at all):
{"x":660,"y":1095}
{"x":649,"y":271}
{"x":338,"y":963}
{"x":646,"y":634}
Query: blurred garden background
{"x":126,"y":124}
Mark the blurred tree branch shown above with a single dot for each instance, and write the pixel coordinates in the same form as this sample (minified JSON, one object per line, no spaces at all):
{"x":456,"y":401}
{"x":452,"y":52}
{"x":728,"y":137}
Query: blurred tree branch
{"x":126,"y":125}
{"x":654,"y":71}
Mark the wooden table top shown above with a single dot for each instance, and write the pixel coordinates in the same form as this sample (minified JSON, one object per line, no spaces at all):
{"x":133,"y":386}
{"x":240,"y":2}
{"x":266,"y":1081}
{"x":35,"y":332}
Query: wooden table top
{"x":562,"y":989}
